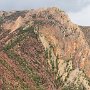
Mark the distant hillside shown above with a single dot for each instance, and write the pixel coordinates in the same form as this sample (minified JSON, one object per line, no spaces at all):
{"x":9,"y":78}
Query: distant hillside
{"x":86,"y":30}
{"x":43,"y":50}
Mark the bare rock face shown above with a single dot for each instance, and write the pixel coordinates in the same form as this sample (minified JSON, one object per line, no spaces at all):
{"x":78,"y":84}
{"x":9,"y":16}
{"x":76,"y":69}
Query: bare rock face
{"x":43,"y":49}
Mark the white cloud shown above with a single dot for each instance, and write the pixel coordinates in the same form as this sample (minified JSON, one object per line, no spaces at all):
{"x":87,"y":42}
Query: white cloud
{"x":73,"y":5}
{"x":24,"y":4}
{"x":78,"y":9}
{"x":68,"y":5}
{"x":82,"y":17}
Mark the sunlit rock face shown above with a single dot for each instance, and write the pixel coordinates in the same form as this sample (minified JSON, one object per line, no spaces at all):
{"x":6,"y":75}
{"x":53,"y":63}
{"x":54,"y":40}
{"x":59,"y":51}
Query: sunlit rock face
{"x":42,"y":48}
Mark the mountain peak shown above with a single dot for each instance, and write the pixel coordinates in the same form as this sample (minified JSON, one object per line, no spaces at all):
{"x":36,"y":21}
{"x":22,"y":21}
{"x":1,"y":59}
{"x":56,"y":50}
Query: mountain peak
{"x":42,"y":50}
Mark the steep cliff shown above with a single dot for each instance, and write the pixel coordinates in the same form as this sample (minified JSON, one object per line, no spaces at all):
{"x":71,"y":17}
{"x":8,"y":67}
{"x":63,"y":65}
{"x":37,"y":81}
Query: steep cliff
{"x":42,"y":50}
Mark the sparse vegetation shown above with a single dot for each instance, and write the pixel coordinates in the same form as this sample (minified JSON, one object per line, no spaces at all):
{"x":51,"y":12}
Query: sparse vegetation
{"x":26,"y":68}
{"x":73,"y":87}
{"x":22,"y":35}
{"x":53,"y":65}
{"x":50,"y":17}
{"x":22,"y":62}
{"x":1,"y":19}
{"x":22,"y":83}
{"x":34,"y":16}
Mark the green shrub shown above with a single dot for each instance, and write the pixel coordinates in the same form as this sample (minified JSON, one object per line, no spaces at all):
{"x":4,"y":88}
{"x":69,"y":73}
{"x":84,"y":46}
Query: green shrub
{"x":1,"y":19}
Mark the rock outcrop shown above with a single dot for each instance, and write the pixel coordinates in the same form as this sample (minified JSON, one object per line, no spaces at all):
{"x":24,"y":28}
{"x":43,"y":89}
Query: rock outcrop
{"x":42,"y":50}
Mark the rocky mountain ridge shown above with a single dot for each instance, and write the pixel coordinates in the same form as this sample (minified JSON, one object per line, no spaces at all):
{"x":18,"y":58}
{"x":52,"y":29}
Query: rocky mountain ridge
{"x":42,"y":50}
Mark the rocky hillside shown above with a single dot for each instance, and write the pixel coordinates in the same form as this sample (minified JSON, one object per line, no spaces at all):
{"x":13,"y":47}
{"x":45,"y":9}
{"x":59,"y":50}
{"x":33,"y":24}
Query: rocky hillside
{"x":86,"y":31}
{"x":42,"y":50}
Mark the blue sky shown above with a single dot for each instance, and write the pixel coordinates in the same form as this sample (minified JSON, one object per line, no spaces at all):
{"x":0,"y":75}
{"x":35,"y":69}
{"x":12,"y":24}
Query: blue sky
{"x":78,"y":10}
